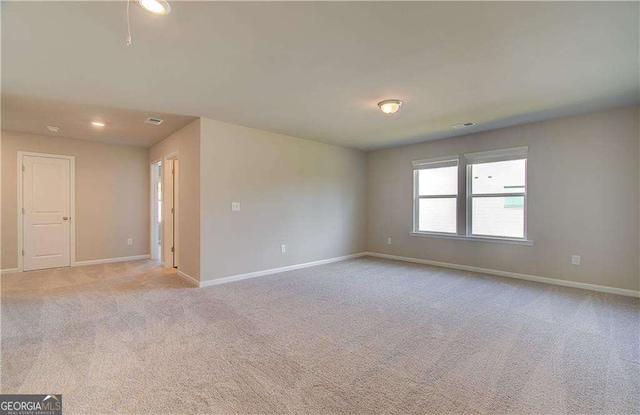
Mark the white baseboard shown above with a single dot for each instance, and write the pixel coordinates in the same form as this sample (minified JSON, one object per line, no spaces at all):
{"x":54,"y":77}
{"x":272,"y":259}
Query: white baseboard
{"x":91,"y":262}
{"x":255,"y":274}
{"x":110,"y":260}
{"x":188,"y":278}
{"x":545,"y":280}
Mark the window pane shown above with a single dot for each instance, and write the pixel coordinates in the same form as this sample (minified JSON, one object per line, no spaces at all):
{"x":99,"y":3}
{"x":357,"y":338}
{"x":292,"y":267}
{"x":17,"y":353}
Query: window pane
{"x":437,"y":215}
{"x":440,"y":181}
{"x":498,"y":216}
{"x":498,"y":177}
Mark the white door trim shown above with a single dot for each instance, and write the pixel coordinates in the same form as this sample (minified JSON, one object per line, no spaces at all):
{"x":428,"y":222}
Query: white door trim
{"x":72,"y":196}
{"x":176,"y":216}
{"x":168,"y":260}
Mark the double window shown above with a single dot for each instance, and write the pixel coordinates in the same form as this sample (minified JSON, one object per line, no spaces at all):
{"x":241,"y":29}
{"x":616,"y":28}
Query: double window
{"x":481,"y":195}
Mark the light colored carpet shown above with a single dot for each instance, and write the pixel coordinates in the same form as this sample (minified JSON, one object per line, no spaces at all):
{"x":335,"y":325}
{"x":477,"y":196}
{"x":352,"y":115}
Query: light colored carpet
{"x":359,"y":336}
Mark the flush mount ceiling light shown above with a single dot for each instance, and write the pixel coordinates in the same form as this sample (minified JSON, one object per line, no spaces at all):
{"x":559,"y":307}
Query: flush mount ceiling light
{"x":97,"y":123}
{"x":52,"y":128}
{"x":390,"y":106}
{"x":159,"y":7}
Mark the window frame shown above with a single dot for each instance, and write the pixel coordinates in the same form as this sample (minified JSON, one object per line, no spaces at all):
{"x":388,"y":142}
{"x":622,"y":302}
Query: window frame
{"x":434,"y":163}
{"x":465,"y":201}
{"x":508,"y":154}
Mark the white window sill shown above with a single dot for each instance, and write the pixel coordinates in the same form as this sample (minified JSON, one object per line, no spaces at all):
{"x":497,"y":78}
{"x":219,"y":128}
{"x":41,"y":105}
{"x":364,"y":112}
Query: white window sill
{"x":511,"y":241}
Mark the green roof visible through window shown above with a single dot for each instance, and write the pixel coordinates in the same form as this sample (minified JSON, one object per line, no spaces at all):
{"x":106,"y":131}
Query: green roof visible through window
{"x":514,"y":202}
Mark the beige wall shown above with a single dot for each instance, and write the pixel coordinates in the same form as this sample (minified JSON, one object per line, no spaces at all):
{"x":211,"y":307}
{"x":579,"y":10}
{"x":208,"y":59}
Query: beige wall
{"x":186,"y":142}
{"x":112,"y":196}
{"x":307,"y":195}
{"x":324,"y":201}
{"x":582,"y":199}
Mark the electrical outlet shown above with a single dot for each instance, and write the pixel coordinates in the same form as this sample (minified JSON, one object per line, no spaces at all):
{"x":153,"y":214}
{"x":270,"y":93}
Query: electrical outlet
{"x":575,"y":259}
{"x":235,"y":206}
{"x":283,"y":249}
{"x":130,"y":241}
{"x":388,"y":241}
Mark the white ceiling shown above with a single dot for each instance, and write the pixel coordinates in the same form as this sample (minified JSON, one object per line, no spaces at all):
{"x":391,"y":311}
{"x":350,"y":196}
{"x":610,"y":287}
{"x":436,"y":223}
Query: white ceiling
{"x":317,"y":69}
{"x":122,"y":126}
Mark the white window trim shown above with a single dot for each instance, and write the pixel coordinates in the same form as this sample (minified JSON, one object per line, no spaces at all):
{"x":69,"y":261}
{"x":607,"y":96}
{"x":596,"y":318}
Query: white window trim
{"x":436,"y":162}
{"x":472,"y":158}
{"x":494,"y":239}
{"x":497,"y":155}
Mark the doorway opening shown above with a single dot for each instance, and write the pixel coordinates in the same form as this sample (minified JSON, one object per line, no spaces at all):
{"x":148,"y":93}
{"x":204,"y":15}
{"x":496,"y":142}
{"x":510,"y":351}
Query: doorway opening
{"x":156,"y":211}
{"x":165,"y":228}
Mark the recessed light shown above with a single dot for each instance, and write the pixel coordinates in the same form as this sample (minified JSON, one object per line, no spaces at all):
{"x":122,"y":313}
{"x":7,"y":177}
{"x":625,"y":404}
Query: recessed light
{"x":390,"y":106}
{"x":97,"y":123}
{"x":52,"y":128}
{"x":159,"y":7}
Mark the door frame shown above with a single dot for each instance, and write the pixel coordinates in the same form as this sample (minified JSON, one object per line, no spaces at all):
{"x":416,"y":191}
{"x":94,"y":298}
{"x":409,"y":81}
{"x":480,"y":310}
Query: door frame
{"x":72,"y":203}
{"x":154,"y":237}
{"x":167,"y":174}
{"x":176,"y":216}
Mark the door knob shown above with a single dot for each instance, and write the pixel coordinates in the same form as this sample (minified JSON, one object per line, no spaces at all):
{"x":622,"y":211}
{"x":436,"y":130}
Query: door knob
{"x":65,"y":218}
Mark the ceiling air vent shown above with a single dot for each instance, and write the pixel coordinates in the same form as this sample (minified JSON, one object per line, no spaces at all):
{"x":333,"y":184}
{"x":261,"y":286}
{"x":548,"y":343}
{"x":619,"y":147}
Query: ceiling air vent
{"x":153,"y":121}
{"x":465,"y":125}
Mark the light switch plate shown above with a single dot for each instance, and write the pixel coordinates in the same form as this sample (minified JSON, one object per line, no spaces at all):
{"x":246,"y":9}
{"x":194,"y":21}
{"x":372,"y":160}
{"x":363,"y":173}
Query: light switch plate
{"x":130,"y":241}
{"x":575,"y":259}
{"x":389,"y":240}
{"x":283,"y":248}
{"x":235,"y":206}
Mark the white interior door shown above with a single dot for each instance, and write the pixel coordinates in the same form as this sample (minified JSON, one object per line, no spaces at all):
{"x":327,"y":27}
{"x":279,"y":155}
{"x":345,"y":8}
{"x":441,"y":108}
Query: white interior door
{"x":47,"y":212}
